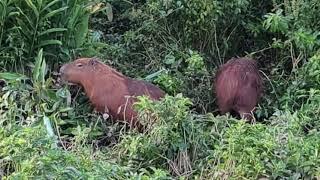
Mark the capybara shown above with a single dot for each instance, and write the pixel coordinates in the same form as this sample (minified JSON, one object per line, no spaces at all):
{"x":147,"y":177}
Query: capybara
{"x":109,"y":91}
{"x":238,"y":87}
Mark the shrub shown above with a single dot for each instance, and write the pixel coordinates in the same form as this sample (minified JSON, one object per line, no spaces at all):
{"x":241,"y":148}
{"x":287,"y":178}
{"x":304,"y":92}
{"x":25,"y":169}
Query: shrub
{"x":175,"y":138}
{"x":259,"y":151}
{"x":27,"y":152}
{"x":296,"y":27}
{"x":58,"y":27}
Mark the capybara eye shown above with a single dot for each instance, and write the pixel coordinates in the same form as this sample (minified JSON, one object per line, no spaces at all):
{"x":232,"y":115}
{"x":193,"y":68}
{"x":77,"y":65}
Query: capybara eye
{"x":79,"y":65}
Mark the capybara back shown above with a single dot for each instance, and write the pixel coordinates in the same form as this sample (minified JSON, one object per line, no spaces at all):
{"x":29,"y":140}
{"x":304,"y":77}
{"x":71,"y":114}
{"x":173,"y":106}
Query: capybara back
{"x":238,"y":87}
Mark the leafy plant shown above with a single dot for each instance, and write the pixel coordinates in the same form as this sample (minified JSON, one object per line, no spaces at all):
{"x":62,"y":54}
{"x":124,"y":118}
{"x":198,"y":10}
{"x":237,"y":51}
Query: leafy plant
{"x":174,"y":137}
{"x":260,"y":151}
{"x":58,"y":27}
{"x":27,"y":153}
{"x":276,"y":22}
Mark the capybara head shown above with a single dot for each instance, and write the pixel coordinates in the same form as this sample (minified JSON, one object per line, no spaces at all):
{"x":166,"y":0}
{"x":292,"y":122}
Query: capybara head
{"x":238,"y":87}
{"x":78,"y":70}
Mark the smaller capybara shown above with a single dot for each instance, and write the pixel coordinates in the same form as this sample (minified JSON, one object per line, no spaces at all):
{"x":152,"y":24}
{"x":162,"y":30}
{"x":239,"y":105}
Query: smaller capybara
{"x":109,"y":91}
{"x":238,"y":87}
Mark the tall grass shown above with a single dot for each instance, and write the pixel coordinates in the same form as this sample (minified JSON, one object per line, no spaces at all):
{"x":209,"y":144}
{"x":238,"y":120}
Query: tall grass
{"x":59,"y":27}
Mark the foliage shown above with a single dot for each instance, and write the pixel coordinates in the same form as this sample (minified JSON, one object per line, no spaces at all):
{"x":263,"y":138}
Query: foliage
{"x":175,"y":138}
{"x":59,"y":27}
{"x":50,"y":131}
{"x":279,"y":150}
{"x":32,"y":144}
{"x":298,"y":32}
{"x":28,"y":153}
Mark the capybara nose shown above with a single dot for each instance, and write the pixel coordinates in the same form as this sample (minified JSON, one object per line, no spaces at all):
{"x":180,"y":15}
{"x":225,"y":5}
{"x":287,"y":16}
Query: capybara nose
{"x":62,"y":68}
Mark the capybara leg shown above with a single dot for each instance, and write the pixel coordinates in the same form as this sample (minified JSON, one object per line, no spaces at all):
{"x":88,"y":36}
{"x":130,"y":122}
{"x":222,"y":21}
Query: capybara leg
{"x":225,"y":107}
{"x":224,"y":111}
{"x":247,"y":116}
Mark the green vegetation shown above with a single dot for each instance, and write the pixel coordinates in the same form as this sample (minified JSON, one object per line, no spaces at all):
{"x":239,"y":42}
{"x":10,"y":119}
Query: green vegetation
{"x":51,"y":132}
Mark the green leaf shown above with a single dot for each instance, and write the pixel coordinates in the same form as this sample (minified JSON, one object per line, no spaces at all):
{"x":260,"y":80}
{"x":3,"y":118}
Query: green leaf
{"x":73,"y":17}
{"x":82,"y":30}
{"x":31,"y":24}
{"x":33,"y":7}
{"x":42,"y":71}
{"x":23,"y":28}
{"x":52,"y":30}
{"x":49,"y":42}
{"x":153,"y":75}
{"x":50,"y":132}
{"x":109,"y":12}
{"x":49,"y":5}
{"x":12,"y":76}
{"x":65,"y":109}
{"x":36,"y":70}
{"x":54,"y":12}
{"x":169,"y":59}
{"x":13,"y":13}
{"x":99,"y":45}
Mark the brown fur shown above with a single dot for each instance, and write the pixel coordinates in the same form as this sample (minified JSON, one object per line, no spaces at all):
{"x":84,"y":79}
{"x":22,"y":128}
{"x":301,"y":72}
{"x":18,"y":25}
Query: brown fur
{"x":238,"y":87}
{"x":108,"y":90}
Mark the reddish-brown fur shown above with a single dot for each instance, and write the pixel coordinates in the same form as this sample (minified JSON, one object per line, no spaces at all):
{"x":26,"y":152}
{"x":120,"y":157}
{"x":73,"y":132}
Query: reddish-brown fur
{"x":238,"y":87}
{"x":108,"y":90}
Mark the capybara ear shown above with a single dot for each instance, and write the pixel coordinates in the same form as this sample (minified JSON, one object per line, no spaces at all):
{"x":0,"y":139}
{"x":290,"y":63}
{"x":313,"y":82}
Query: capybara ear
{"x":93,"y":61}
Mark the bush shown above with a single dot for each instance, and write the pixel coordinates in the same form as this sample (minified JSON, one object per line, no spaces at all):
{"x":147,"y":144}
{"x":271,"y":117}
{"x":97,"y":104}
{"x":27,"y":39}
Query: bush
{"x":257,"y":151}
{"x":58,"y":27}
{"x":29,"y":153}
{"x":177,"y":139}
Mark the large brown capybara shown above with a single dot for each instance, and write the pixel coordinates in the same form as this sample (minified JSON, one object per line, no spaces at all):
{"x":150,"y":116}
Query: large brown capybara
{"x":238,"y":87}
{"x":108,"y":90}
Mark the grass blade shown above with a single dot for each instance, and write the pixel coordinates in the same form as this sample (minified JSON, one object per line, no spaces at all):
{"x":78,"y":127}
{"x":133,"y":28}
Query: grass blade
{"x":49,"y":42}
{"x":42,"y":71}
{"x":52,"y":30}
{"x":33,"y":7}
{"x":54,"y":12}
{"x":50,"y":132}
{"x":49,"y":5}
{"x":36,"y":70}
{"x":82,"y":30}
{"x":12,"y":76}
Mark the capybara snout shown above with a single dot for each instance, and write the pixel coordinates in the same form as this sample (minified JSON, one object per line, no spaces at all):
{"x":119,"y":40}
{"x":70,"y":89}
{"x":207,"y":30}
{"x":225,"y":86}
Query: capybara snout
{"x":78,"y":71}
{"x":238,"y":87}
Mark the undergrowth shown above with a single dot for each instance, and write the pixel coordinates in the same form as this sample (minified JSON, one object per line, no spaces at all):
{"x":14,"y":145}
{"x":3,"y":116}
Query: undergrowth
{"x":51,"y":132}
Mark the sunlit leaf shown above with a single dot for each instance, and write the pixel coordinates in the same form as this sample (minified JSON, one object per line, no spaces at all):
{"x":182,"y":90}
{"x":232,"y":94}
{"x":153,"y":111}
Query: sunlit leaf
{"x":109,"y":11}
{"x":153,"y":75}
{"x":38,"y":65}
{"x":12,"y":76}
{"x":50,"y":132}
